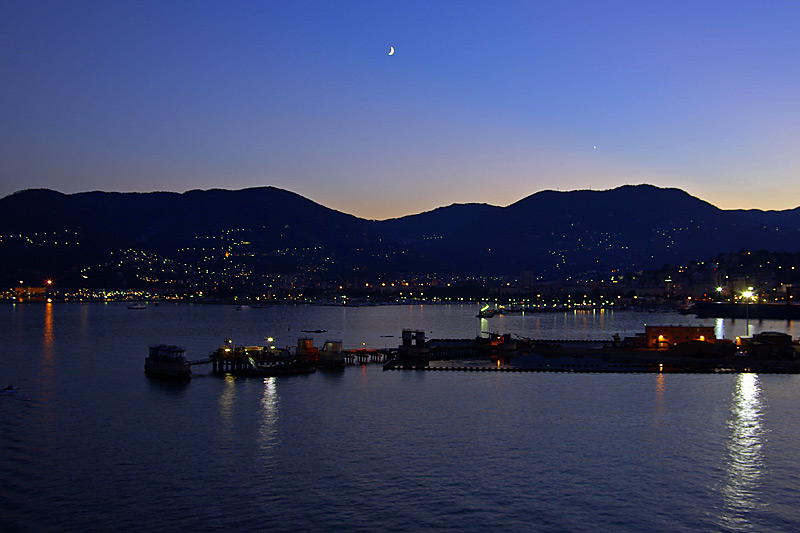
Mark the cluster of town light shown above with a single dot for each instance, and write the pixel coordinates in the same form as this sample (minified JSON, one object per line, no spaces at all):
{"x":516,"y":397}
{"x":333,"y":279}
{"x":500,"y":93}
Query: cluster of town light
{"x":749,"y":295}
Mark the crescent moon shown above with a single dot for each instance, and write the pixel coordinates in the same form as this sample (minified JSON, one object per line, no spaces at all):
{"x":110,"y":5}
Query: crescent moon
{"x":391,"y":50}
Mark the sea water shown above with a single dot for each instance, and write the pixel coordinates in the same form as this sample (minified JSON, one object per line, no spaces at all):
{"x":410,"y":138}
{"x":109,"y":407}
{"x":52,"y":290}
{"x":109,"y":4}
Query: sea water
{"x":88,"y":442}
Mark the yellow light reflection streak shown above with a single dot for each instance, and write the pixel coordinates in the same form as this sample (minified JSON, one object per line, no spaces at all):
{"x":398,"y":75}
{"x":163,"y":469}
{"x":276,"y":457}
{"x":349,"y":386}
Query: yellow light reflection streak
{"x":745,"y":460}
{"x":227,"y":402}
{"x":660,"y":411}
{"x":48,"y":337}
{"x":660,"y":387}
{"x":47,"y":370}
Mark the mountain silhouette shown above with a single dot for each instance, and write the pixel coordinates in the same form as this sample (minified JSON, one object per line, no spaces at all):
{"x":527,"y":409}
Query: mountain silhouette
{"x":268,"y":230}
{"x":627,"y":228}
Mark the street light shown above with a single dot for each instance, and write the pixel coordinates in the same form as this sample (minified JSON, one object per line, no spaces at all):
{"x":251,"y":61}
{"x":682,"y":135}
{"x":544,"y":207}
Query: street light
{"x":748,"y":294}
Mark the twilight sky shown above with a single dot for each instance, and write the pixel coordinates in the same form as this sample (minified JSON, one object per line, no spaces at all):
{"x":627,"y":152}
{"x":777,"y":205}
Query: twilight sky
{"x":481,"y":102}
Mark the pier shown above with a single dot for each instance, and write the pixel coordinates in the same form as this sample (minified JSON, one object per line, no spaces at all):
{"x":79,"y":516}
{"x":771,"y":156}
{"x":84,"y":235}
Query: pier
{"x":608,"y":369}
{"x":660,"y":350}
{"x":365,"y":356}
{"x":258,"y":361}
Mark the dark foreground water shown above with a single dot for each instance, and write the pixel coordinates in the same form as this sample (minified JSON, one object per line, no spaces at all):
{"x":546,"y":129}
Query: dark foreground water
{"x":89,"y":443}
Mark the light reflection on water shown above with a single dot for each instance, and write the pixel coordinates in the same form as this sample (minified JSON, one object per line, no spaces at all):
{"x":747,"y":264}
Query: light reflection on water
{"x":719,"y":328}
{"x":660,"y":413}
{"x":48,"y":335}
{"x":745,"y":460}
{"x":269,"y":415}
{"x":227,"y":407}
{"x":47,"y":378}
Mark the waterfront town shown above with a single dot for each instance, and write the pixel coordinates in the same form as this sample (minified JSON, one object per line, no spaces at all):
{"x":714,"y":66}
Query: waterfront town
{"x":744,"y":276}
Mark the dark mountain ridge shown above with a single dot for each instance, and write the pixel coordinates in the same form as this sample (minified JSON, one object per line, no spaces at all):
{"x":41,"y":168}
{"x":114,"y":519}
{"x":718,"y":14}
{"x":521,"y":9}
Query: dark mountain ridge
{"x":266,"y":229}
{"x":630,"y":227}
{"x":440,"y":222}
{"x":790,"y":217}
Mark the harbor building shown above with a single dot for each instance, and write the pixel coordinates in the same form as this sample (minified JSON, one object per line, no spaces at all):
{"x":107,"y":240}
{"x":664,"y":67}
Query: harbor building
{"x":664,"y":337}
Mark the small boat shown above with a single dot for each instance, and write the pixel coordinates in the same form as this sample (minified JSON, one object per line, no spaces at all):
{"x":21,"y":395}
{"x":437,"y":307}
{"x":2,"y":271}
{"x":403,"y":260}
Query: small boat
{"x":8,"y":390}
{"x":167,"y":361}
{"x":137,"y":305}
{"x":242,"y":307}
{"x":314,"y":330}
{"x":486,"y":312}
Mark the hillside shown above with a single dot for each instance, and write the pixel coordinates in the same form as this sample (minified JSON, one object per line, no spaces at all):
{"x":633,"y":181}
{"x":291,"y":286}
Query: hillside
{"x":266,"y":231}
{"x":628,"y":228}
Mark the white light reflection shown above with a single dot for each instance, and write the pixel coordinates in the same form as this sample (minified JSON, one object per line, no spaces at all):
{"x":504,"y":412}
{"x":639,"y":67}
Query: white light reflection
{"x":745,"y":461}
{"x":269,"y":414}
{"x":719,"y":328}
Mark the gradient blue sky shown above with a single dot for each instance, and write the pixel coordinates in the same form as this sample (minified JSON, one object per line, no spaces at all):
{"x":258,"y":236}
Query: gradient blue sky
{"x":482,"y":101}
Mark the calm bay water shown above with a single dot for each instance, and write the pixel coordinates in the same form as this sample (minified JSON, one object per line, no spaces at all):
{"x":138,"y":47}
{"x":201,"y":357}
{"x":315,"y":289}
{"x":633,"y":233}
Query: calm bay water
{"x":88,"y":442}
